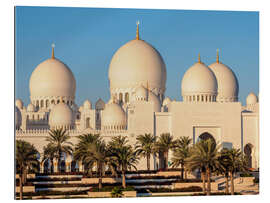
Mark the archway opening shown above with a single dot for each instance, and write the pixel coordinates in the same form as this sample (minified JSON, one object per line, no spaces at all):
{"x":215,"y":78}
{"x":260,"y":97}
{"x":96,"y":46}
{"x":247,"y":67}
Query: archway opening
{"x":248,"y":153}
{"x":206,"y":136}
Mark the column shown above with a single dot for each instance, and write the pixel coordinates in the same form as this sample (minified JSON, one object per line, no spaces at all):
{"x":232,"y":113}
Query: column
{"x":81,"y":169}
{"x":55,"y":166}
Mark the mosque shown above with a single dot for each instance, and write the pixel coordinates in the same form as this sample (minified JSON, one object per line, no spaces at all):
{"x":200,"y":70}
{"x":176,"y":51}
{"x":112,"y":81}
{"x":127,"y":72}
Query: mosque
{"x":209,"y":106}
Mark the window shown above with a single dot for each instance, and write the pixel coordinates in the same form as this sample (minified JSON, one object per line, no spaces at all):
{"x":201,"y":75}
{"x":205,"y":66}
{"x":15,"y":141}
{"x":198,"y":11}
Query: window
{"x":127,"y":97}
{"x":120,"y":97}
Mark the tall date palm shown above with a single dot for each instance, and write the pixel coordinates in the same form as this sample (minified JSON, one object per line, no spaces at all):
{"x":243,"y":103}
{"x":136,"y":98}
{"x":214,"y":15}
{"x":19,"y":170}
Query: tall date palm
{"x":58,"y":139}
{"x":145,"y":147}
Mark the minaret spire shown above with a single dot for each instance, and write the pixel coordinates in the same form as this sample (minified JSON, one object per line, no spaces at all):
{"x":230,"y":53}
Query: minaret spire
{"x":53,"y":45}
{"x":217,"y":55}
{"x":199,"y":58}
{"x":137,"y":31}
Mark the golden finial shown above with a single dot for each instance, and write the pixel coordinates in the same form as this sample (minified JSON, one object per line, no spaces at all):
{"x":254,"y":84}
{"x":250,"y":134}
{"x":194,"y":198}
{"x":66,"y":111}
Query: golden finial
{"x":137,"y":31}
{"x":199,"y":58}
{"x":53,"y":45}
{"x":217,"y":55}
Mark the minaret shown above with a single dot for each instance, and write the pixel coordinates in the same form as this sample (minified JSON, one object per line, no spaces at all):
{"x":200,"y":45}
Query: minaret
{"x":217,"y":55}
{"x":199,"y":58}
{"x":53,"y":45}
{"x":137,"y":31}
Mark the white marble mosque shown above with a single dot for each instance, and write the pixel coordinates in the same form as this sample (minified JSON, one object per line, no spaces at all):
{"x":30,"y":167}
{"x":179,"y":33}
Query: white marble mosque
{"x":138,"y":105}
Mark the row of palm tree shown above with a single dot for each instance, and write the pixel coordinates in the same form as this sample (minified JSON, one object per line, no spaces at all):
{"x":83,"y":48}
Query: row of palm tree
{"x":119,"y":156}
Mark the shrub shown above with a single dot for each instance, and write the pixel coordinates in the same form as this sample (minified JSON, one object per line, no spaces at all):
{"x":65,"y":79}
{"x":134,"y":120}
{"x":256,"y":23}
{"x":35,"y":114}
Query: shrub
{"x":117,"y":192}
{"x":246,"y":175}
{"x":256,"y":180}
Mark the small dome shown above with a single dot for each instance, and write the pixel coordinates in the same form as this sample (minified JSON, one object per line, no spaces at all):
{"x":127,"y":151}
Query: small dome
{"x":100,"y":104}
{"x":31,"y":108}
{"x":87,"y":104}
{"x":113,"y":116}
{"x":167,"y":101}
{"x":18,"y":118}
{"x":81,"y":109}
{"x":52,"y":78}
{"x":227,"y":82}
{"x":61,"y":116}
{"x":141,"y":93}
{"x":19,"y":103}
{"x":136,"y":62}
{"x":155,"y":100}
{"x":251,"y":99}
{"x":199,"y":79}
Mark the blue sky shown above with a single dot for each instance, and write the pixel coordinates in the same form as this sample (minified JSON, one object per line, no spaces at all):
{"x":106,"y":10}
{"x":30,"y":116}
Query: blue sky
{"x":87,"y":38}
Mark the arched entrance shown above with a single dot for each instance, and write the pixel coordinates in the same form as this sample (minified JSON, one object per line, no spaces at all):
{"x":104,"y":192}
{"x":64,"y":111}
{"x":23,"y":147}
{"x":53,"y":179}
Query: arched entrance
{"x":206,"y":136}
{"x":248,"y":153}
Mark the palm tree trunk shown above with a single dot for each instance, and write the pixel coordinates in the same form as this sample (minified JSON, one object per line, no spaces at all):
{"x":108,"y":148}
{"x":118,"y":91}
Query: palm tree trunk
{"x":227,"y":184}
{"x":100,"y":176}
{"x":21,"y":187}
{"x":123,"y":179}
{"x":232,"y":183}
{"x":203,"y":180}
{"x":182,"y":171}
{"x":59,"y":161}
{"x":208,"y":181}
{"x":166,"y":160}
{"x":148,"y":161}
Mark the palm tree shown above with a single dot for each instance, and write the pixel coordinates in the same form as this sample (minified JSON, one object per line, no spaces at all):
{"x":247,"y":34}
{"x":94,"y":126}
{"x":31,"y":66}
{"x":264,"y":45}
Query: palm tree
{"x":223,"y":167}
{"x":180,"y":153}
{"x":58,"y":139}
{"x":126,"y":159}
{"x":48,"y":154}
{"x":145,"y":147}
{"x":236,"y":162}
{"x":204,"y":156}
{"x":26,"y":159}
{"x":82,"y":153}
{"x":118,"y":141}
{"x":164,"y":144}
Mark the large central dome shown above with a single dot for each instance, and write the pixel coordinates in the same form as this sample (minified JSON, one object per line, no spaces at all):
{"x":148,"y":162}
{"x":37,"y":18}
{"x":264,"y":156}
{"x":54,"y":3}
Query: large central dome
{"x":134,"y":64}
{"x":137,"y":62}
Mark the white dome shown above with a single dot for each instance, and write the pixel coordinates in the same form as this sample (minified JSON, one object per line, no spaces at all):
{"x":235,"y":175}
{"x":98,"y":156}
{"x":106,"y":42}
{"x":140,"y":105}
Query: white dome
{"x":19,"y":103}
{"x":135,"y":63}
{"x":199,"y":80}
{"x":18,"y":118}
{"x":227,"y":83}
{"x":155,"y":100}
{"x":52,"y":78}
{"x":31,"y":108}
{"x":81,"y":109}
{"x":251,"y":99}
{"x":141,"y":93}
{"x":113,"y":116}
{"x":87,"y":104}
{"x":61,"y":116}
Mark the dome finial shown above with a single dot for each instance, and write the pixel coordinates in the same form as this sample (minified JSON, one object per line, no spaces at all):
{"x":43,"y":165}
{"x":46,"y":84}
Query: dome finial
{"x":199,"y":58}
{"x":137,"y":31}
{"x":53,"y":45}
{"x":217,"y":55}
